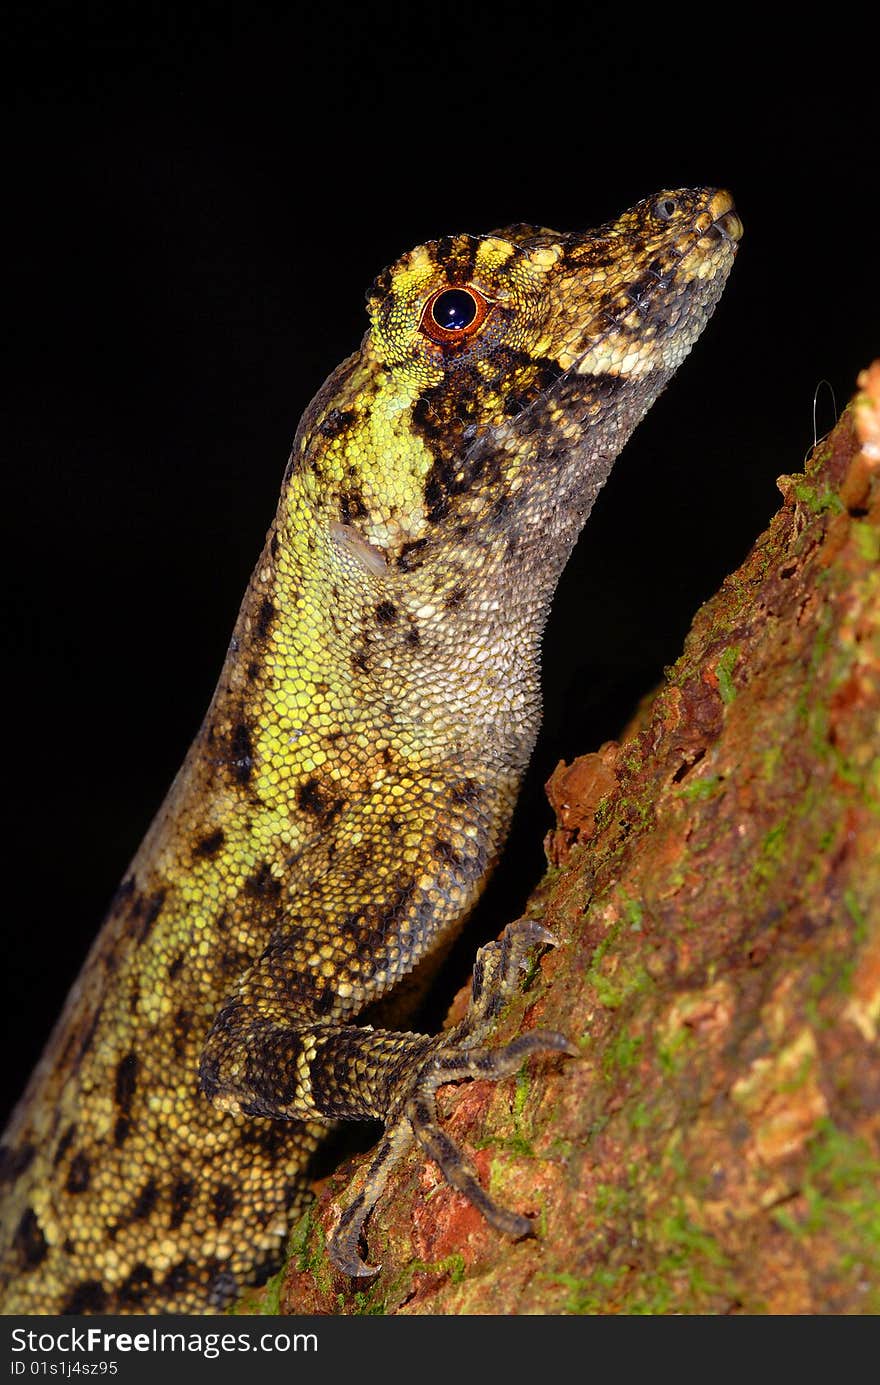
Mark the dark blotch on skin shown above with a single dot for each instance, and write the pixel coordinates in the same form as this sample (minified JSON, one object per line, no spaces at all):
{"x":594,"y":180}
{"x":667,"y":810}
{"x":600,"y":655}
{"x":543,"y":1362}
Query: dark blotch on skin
{"x":515,"y":403}
{"x":224,"y":1201}
{"x":146,"y":1201}
{"x":351,"y":506}
{"x":64,"y":1144}
{"x":181,"y":1199}
{"x":88,"y":1297}
{"x":386,"y":613}
{"x":450,"y":476}
{"x":126,"y":1082}
{"x":123,"y":894}
{"x":136,"y":1288}
{"x":14,"y":1162}
{"x":381,"y":284}
{"x":455,"y":598}
{"x":233,"y":963}
{"x":336,"y":422}
{"x":271,"y":1139}
{"x":436,"y":500}
{"x":457,"y":254}
{"x":272,"y":1080}
{"x":90,"y":1034}
{"x":468,"y":791}
{"x":209,"y":1069}
{"x":222,"y":1289}
{"x":177,"y":1278}
{"x":314,"y":799}
{"x":444,"y":851}
{"x":408,"y":559}
{"x":210,"y":845}
{"x":109,"y":957}
{"x":182,"y":1021}
{"x":262,"y":884}
{"x":121,"y":1131}
{"x":147,"y":911}
{"x":396,"y":910}
{"x":324,"y":1001}
{"x":241,"y":754}
{"x":67,"y":1049}
{"x":497,"y":513}
{"x":79,"y":1175}
{"x":265,"y":616}
{"x":29,"y":1240}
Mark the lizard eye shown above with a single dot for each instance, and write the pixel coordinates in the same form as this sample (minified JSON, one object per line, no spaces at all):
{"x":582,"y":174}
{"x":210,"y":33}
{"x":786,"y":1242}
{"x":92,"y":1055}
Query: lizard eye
{"x":452,"y":315}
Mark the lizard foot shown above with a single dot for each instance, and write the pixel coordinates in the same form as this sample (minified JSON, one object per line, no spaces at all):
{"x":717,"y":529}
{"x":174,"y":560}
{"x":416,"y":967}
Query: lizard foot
{"x":454,"y":1057}
{"x":497,"y":969}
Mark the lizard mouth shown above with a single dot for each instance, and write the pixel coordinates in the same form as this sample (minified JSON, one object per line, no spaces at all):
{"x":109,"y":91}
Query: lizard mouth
{"x":725,"y":224}
{"x":728,"y":227}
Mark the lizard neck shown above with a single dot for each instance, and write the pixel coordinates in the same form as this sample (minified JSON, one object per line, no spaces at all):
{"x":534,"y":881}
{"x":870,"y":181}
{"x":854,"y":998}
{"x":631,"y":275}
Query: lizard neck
{"x":444,"y":651}
{"x":431,"y":628}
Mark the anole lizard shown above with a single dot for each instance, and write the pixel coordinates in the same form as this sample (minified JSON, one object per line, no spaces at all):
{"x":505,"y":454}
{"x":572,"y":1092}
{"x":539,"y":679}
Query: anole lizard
{"x":350,"y":788}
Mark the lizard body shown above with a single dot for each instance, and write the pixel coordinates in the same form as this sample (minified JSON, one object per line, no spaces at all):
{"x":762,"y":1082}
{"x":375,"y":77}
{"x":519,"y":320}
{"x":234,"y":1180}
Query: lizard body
{"x":352,"y":783}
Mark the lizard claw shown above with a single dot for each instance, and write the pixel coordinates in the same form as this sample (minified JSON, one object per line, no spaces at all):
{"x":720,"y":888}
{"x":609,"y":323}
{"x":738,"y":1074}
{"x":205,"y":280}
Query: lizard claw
{"x":350,"y":1263}
{"x":342,"y":1247}
{"x":530,"y":933}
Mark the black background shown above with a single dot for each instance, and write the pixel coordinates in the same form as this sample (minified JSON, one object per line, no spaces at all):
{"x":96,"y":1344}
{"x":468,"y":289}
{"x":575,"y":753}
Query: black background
{"x":193,"y":211}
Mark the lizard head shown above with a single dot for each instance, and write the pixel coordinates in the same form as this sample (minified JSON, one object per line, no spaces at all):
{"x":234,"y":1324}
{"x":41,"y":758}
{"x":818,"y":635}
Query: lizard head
{"x":501,"y":375}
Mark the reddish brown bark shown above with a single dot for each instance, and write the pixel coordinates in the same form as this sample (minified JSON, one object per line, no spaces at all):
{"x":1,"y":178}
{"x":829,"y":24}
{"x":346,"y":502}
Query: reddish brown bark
{"x":715,"y":885}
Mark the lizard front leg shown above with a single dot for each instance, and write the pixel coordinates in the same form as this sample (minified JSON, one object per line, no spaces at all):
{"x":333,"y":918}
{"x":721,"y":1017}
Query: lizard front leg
{"x":283,"y":1046}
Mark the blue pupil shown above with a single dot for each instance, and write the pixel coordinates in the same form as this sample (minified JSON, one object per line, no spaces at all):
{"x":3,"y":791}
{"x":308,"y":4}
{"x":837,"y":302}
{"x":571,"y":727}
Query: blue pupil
{"x":454,"y":310}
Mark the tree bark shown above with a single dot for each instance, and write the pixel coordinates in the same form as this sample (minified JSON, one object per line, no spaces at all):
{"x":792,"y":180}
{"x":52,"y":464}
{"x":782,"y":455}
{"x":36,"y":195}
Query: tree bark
{"x":714,"y":883}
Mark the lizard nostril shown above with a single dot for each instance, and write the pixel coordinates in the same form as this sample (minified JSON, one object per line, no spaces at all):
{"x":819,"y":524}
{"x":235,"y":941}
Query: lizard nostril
{"x":666,"y":207}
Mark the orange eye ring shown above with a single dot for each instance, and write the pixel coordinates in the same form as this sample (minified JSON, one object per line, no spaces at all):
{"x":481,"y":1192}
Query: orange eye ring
{"x":454,"y":314}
